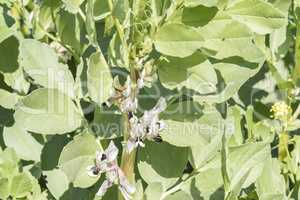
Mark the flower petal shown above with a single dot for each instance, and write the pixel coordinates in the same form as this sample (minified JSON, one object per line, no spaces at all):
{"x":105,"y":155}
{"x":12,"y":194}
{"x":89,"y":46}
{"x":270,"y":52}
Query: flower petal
{"x":124,"y":183}
{"x":111,"y":152}
{"x":104,"y":187}
{"x":130,"y":145}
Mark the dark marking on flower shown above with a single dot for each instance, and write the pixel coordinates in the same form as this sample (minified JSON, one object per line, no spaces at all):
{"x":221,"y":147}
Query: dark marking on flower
{"x":147,"y":129}
{"x":103,"y":157}
{"x":104,"y":105}
{"x":130,"y":115}
{"x":96,"y":170}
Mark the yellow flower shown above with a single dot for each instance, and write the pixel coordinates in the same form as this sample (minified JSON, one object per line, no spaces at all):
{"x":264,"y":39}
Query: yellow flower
{"x":281,"y":110}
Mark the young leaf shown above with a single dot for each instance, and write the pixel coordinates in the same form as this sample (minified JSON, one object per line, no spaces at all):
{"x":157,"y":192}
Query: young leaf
{"x":99,"y":78}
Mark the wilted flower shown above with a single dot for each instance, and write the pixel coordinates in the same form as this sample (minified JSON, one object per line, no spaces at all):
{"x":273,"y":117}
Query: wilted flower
{"x":123,"y":95}
{"x":62,"y":52}
{"x":106,"y":162}
{"x":147,"y":127}
{"x":141,"y":80}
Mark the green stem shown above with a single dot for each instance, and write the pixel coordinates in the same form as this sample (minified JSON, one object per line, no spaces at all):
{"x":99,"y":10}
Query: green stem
{"x":179,"y":185}
{"x":128,"y":159}
{"x":296,"y":74}
{"x":283,"y":145}
{"x":120,"y":32}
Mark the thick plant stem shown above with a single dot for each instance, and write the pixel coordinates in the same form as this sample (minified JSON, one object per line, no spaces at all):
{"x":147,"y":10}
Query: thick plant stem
{"x":128,"y":159}
{"x":283,"y":145}
{"x":296,"y":74}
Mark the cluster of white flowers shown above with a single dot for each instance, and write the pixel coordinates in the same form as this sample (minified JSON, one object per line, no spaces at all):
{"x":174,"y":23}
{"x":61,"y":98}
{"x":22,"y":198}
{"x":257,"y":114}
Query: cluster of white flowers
{"x":147,"y":127}
{"x":106,"y":162}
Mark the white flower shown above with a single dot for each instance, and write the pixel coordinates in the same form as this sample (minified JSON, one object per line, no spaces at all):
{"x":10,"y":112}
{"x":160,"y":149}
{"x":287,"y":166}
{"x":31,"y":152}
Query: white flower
{"x":116,"y":176}
{"x":129,"y":105}
{"x":148,"y":127}
{"x":124,"y":186}
{"x":106,"y":162}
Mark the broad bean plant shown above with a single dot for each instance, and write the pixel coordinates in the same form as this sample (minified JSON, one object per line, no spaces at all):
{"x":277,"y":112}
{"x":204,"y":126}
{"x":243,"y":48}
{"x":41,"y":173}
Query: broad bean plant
{"x":149,"y":99}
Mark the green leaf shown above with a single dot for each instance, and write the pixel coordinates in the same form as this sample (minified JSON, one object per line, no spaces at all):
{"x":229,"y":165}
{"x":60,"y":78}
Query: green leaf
{"x":154,"y":191}
{"x":41,"y":63}
{"x":25,"y":145}
{"x":227,"y":38}
{"x":120,"y":10}
{"x":154,"y":163}
{"x":8,"y":163}
{"x":232,"y":83}
{"x":202,"y":153}
{"x":107,"y":124}
{"x":6,"y":29}
{"x":99,"y":78}
{"x":193,"y":3}
{"x":182,"y":133}
{"x":246,"y":163}
{"x":73,"y":6}
{"x":76,"y":157}
{"x":194,"y":72}
{"x":69,"y":29}
{"x":49,"y":107}
{"x":4,"y":188}
{"x":8,"y":100}
{"x":52,"y":150}
{"x":17,"y":81}
{"x":46,"y":12}
{"x":198,"y":16}
{"x":271,"y":174}
{"x":184,"y":43}
{"x":101,"y":9}
{"x":20,"y":185}
{"x":205,"y":187}
{"x":90,"y":23}
{"x":178,"y":196}
{"x":259,"y":15}
{"x":9,"y":54}
{"x":57,"y":182}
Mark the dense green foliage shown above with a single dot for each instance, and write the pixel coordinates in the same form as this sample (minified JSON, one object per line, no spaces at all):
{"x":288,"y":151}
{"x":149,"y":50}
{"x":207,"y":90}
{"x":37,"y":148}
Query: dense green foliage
{"x":150,"y":99}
